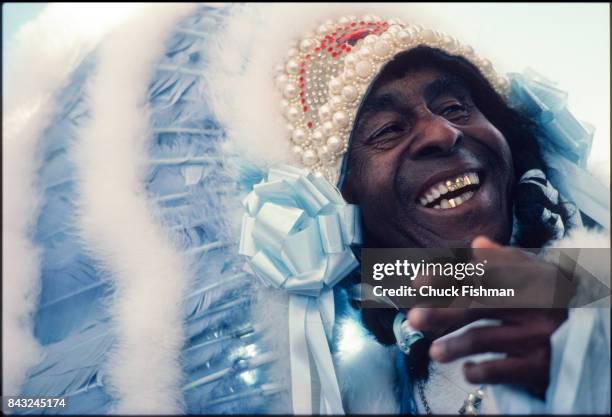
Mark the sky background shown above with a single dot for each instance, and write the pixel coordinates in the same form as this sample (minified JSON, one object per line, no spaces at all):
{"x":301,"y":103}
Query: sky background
{"x":14,"y":15}
{"x":566,"y":42}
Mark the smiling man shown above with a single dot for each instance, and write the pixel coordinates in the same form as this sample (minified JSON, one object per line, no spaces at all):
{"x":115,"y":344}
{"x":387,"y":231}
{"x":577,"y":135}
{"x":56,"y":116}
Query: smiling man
{"x":423,"y":147}
{"x":420,"y":134}
{"x":428,"y":168}
{"x":131,"y":195}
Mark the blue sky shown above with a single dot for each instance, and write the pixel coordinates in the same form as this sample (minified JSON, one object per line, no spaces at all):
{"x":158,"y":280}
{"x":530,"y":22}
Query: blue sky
{"x":14,"y":15}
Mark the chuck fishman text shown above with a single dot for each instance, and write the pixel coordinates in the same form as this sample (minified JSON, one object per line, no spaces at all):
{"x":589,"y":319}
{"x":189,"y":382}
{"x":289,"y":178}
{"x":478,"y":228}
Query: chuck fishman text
{"x":428,"y":291}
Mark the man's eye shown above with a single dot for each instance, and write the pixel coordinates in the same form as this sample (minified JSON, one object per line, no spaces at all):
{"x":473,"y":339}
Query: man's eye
{"x":387,"y":131}
{"x":455,"y":112}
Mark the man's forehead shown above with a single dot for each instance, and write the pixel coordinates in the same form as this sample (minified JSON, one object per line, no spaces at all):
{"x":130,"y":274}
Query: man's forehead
{"x":391,"y":91}
{"x":424,"y":82}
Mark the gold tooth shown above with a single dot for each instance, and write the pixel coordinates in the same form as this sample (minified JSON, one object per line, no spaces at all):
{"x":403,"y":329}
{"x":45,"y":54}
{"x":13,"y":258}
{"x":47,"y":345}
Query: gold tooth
{"x":451,"y":203}
{"x":467,"y":180}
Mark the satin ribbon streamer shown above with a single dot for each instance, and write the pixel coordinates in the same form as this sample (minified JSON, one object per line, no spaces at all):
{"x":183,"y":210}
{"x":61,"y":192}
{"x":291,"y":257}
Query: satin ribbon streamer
{"x":297,"y":231}
{"x":565,"y":143}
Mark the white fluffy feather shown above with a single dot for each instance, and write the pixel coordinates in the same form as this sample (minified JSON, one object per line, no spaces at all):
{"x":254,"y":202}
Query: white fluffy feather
{"x":118,"y":225}
{"x":366,"y":371}
{"x":36,"y":71}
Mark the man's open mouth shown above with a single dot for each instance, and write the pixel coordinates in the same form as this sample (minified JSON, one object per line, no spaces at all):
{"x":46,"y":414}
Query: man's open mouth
{"x":451,"y":192}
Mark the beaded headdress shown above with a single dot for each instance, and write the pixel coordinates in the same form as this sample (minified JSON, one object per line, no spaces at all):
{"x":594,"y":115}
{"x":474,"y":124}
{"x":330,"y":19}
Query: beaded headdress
{"x":328,"y":73}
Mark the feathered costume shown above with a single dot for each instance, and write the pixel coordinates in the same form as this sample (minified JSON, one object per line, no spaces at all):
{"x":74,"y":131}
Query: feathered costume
{"x":123,"y":288}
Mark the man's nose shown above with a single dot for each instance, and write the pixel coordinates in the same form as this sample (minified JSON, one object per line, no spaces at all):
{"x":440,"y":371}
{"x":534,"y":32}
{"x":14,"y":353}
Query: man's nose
{"x":433,"y":136}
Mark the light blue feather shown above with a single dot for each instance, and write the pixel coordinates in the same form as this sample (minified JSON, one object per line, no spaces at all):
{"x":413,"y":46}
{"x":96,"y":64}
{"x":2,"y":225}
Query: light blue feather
{"x":197,"y":188}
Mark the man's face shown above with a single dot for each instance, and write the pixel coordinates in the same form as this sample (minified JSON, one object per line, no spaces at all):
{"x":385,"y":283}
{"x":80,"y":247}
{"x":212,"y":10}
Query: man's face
{"x":426,"y":167}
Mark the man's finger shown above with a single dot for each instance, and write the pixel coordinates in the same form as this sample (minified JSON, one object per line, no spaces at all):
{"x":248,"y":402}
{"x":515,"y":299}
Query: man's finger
{"x":513,"y":370}
{"x":443,"y":320}
{"x":483,"y":242}
{"x":503,"y":339}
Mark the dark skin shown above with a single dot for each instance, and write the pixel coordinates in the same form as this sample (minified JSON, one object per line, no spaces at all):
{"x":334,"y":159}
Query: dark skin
{"x":415,"y":131}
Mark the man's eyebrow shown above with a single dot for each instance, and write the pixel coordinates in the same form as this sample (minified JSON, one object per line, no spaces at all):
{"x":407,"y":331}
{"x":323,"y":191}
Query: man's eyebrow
{"x":380,"y":103}
{"x":444,"y":85}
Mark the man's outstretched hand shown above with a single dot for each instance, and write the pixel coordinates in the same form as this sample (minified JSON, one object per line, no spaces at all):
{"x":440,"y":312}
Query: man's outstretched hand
{"x":523,"y":335}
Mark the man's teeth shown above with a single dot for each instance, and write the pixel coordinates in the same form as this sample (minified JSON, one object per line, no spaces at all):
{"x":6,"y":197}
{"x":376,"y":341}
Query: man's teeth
{"x":438,"y":190}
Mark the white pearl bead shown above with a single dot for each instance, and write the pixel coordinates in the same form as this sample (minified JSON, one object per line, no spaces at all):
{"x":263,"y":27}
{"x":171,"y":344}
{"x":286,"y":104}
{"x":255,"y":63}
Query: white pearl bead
{"x":352,"y":18}
{"x":429,"y":35}
{"x":487,"y":65}
{"x":299,"y":136}
{"x":306,"y":45}
{"x":297,"y":150}
{"x":365,"y":52}
{"x":318,"y":174}
{"x":317,"y":136}
{"x":290,"y":91}
{"x":335,"y":85}
{"x":367,"y":18}
{"x":394,"y":29}
{"x":322,"y":29}
{"x":350,"y":59}
{"x":336,"y":103}
{"x":386,"y":37}
{"x":284,"y":104}
{"x":340,"y":119}
{"x":363,"y":68}
{"x":370,"y":39}
{"x":328,"y":128}
{"x":324,"y":154}
{"x":382,"y":48}
{"x":349,"y":76}
{"x":309,"y":158}
{"x":343,"y":20}
{"x":334,"y":143}
{"x":349,"y":93}
{"x":293,"y":114}
{"x":292,"y":66}
{"x":404,"y":37}
{"x":324,"y":112}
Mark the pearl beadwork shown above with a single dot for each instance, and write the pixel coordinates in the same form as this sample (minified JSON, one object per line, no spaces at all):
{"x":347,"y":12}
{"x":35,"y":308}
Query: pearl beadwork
{"x":327,"y":73}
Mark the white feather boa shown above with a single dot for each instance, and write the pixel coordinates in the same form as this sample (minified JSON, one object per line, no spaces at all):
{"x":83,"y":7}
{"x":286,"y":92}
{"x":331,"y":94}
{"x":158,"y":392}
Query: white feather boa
{"x":35,"y":72}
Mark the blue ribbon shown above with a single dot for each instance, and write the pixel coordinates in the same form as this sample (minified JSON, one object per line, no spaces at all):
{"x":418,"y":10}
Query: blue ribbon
{"x":540,"y":99}
{"x":297,"y":233}
{"x":565,"y":143}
